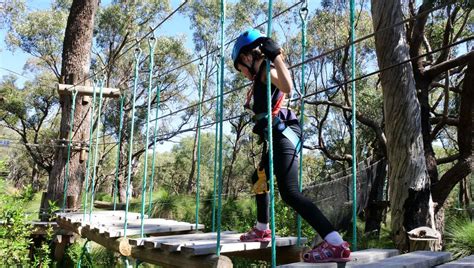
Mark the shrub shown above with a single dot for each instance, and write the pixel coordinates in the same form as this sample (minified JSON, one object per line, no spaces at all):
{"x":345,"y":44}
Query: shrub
{"x":460,"y":237}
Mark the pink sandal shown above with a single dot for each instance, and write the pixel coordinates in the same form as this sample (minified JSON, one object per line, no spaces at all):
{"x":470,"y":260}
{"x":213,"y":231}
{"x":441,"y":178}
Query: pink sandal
{"x":256,"y":235}
{"x":325,"y":252}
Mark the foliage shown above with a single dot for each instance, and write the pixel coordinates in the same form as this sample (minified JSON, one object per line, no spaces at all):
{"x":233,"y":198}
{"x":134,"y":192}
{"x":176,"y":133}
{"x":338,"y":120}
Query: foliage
{"x":90,"y":255}
{"x":460,"y":237}
{"x":14,"y":231}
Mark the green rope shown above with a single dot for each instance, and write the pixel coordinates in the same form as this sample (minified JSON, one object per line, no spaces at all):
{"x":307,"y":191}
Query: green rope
{"x":215,"y":153}
{"x":91,"y":134}
{"x":155,"y":134}
{"x":354,"y":125}
{"x":151,"y":47}
{"x":117,"y":165}
{"x":198,"y":178}
{"x":96,"y":146}
{"x":71,"y":127}
{"x":303,"y":16}
{"x":137,"y":55}
{"x":221,"y":112}
{"x":270,"y":139}
{"x":84,"y":252}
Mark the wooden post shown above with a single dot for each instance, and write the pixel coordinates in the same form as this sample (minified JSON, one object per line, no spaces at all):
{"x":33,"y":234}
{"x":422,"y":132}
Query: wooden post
{"x":88,"y":91}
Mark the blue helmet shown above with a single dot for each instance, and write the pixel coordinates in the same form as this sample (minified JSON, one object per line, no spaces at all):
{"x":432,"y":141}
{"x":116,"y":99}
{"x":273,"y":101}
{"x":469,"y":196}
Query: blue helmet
{"x":245,"y":41}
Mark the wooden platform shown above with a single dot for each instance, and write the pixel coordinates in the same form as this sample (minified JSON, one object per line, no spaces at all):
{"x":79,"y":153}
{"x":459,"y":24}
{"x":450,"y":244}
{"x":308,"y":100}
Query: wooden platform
{"x":205,"y":243}
{"x":171,"y":243}
{"x":111,"y":224}
{"x":375,"y":258}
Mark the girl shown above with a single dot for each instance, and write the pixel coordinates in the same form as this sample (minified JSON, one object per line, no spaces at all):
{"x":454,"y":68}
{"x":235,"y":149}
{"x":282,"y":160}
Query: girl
{"x":250,"y":50}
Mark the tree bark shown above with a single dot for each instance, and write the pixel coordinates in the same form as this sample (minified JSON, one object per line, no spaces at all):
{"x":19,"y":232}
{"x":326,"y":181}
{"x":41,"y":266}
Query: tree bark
{"x":409,"y":180}
{"x":75,"y":68}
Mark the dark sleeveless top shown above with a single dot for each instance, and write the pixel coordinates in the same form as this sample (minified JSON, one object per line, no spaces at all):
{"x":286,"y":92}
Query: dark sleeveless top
{"x":260,"y":103}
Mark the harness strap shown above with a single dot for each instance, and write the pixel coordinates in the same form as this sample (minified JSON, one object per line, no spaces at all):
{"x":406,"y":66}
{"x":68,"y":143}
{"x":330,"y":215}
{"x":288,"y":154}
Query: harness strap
{"x":284,"y":129}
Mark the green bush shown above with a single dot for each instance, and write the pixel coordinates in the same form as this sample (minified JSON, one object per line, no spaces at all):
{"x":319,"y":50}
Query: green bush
{"x":98,"y":256}
{"x":460,"y":237}
{"x":14,"y":231}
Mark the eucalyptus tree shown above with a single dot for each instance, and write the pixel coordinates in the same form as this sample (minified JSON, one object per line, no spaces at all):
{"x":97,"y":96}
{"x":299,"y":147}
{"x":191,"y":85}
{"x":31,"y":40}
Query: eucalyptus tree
{"x":30,"y":112}
{"x":415,"y":119}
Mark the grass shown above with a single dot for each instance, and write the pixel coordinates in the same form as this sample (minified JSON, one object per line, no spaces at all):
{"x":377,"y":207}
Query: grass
{"x":460,"y":237}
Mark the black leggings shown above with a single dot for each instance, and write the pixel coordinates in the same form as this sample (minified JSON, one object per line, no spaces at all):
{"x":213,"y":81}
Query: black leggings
{"x":286,"y":165}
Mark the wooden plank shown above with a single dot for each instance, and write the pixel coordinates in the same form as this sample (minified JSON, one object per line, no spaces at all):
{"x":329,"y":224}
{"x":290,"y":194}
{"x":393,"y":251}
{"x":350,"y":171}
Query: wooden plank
{"x":99,"y":216}
{"x":461,"y":263}
{"x":210,"y":248}
{"x":159,"y":257}
{"x":150,"y":229}
{"x":416,"y":259}
{"x":88,"y":91}
{"x":284,"y":255}
{"x":108,"y":205}
{"x":359,"y":257}
{"x":120,"y":244}
{"x":173,"y":246}
{"x":156,"y":241}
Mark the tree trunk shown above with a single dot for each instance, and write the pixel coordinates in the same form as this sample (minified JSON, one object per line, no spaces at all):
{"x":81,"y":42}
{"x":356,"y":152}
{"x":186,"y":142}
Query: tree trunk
{"x":465,"y":193}
{"x":35,"y":176}
{"x":376,"y":205}
{"x":191,"y":182}
{"x":409,"y":180}
{"x":75,"y":68}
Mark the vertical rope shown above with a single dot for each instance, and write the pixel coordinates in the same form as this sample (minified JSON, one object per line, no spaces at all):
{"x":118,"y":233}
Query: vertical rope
{"x":354,"y":126}
{"x":137,"y":55}
{"x":117,"y":165}
{"x":91,"y":134}
{"x":151,"y":47}
{"x":96,"y":145}
{"x":155,"y":134}
{"x":270,"y":139}
{"x":221,"y":111}
{"x":215,"y":150}
{"x":71,"y":133}
{"x":198,"y":179}
{"x":303,"y":16}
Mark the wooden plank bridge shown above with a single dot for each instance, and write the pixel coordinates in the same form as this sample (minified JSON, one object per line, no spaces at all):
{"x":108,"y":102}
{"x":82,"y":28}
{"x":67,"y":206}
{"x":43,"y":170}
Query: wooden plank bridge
{"x":170,"y":242}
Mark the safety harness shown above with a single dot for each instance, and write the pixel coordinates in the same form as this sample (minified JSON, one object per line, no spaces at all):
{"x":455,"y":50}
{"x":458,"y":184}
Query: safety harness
{"x":261,"y":185}
{"x":278,"y":124}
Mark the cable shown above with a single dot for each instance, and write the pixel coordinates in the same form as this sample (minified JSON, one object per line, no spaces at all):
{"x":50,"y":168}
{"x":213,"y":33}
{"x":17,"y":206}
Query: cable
{"x":229,"y":42}
{"x":129,"y":48}
{"x":316,"y":57}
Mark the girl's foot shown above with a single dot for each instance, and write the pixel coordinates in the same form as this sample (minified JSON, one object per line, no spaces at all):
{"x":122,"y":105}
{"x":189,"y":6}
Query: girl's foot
{"x":256,"y":235}
{"x":325,"y":252}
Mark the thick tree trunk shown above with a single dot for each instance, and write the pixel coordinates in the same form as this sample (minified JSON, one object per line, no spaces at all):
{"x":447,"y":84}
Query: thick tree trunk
{"x":409,"y":180}
{"x":75,"y":68}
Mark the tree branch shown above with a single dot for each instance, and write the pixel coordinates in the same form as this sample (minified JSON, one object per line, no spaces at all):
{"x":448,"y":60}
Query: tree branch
{"x":435,"y":70}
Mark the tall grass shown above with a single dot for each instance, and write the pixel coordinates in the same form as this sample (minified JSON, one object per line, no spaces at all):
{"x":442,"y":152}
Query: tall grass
{"x":459,"y":237}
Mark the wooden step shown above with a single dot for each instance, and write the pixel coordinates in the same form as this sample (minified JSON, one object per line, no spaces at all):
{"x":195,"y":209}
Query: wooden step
{"x":416,"y":259}
{"x":234,"y":245}
{"x":157,"y":241}
{"x":358,"y":257}
{"x":461,"y":263}
{"x":134,"y":228}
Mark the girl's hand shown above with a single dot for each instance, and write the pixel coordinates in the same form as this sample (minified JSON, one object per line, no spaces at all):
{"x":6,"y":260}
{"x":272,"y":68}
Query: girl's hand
{"x":269,"y":47}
